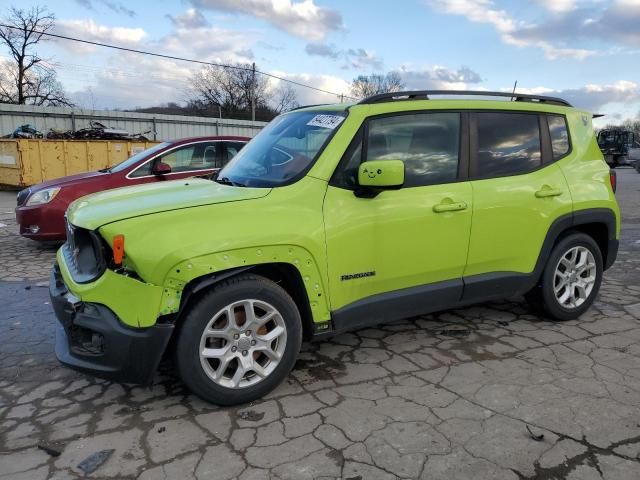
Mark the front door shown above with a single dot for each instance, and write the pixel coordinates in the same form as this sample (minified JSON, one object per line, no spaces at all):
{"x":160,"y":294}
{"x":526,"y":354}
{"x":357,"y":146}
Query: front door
{"x":391,"y":249}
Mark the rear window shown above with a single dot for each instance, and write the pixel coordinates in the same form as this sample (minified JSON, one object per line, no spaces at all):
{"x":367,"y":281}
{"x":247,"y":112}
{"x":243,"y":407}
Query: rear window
{"x":508,"y":144}
{"x":559,"y":135}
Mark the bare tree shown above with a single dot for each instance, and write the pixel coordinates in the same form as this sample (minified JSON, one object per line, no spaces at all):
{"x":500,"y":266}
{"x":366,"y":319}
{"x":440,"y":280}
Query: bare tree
{"x":27,"y":79}
{"x":234,"y":90}
{"x":214,"y":86}
{"x":367,"y":85}
{"x":285,"y":98}
{"x":633,"y":124}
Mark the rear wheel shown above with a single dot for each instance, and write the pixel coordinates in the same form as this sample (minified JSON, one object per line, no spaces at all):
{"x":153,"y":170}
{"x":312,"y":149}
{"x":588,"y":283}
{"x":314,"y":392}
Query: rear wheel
{"x":239,"y":341}
{"x":571,"y":278}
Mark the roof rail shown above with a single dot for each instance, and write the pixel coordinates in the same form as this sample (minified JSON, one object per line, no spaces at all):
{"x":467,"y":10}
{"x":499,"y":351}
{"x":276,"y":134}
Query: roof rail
{"x":300,"y":107}
{"x":425,"y":94}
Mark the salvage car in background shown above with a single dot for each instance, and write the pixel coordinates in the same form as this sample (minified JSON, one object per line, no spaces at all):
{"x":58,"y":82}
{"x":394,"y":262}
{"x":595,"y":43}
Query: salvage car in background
{"x":41,"y":208}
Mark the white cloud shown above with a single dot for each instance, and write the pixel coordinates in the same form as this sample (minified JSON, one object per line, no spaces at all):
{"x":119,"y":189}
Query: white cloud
{"x":302,"y":19}
{"x":114,"y":6}
{"x":192,"y":18}
{"x":207,"y":43}
{"x":438,"y":77}
{"x":116,"y":85}
{"x":88,"y":29}
{"x":592,"y":97}
{"x":558,"y":6}
{"x":362,"y":59}
{"x":484,"y":11}
{"x":307,"y":96}
{"x":322,"y":50}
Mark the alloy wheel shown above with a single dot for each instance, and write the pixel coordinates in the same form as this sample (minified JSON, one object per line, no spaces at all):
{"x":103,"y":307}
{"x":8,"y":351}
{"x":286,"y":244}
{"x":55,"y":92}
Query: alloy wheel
{"x":574,"y":277}
{"x":243,"y":343}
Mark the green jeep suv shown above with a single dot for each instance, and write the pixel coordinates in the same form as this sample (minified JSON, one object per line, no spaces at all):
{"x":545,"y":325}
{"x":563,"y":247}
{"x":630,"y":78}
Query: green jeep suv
{"x":336,"y":217}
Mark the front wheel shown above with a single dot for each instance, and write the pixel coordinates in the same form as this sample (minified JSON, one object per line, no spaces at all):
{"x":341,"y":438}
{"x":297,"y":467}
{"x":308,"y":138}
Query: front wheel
{"x":571,"y":278}
{"x":239,"y":341}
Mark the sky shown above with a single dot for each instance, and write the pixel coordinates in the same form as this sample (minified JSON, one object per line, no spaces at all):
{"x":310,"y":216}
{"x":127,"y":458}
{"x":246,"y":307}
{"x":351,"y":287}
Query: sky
{"x":587,"y":51}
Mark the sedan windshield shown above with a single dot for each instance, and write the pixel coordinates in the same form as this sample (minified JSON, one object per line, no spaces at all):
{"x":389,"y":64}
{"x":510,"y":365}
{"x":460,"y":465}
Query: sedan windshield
{"x":283,"y":151}
{"x":132,"y":160}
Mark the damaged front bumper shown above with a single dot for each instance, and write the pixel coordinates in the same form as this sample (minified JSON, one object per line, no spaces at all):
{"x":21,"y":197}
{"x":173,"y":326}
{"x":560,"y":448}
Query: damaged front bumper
{"x":91,"y":338}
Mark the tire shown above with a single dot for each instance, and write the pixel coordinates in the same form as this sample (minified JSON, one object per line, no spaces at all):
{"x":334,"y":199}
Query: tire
{"x":568,"y":304}
{"x":225,"y":376}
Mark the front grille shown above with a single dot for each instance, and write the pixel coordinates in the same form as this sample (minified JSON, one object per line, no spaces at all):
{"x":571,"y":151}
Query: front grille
{"x":22,"y":196}
{"x":84,"y":254}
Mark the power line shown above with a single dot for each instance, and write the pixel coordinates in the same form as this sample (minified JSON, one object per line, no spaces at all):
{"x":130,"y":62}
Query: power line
{"x":181,"y":59}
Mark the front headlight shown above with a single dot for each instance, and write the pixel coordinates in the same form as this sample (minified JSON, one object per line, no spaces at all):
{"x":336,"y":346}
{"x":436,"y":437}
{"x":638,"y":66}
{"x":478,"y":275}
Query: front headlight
{"x":43,"y":196}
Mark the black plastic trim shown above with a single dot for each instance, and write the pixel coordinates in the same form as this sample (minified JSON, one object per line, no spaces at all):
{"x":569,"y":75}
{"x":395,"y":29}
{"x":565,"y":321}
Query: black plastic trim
{"x":546,"y":152}
{"x":201,"y":283}
{"x":396,"y":305}
{"x":127,"y":355}
{"x":423,"y":299}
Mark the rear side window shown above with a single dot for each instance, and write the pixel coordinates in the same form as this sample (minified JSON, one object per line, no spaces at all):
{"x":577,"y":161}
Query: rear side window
{"x":559,"y":135}
{"x":427,"y":143}
{"x":508,"y":144}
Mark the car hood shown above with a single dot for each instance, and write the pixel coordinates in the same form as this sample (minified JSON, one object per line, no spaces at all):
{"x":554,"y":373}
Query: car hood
{"x":98,"y":209}
{"x":67,"y":181}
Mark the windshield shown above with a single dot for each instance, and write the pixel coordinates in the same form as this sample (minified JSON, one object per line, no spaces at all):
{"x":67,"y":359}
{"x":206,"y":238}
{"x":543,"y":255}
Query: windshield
{"x":137,"y":157}
{"x":283,"y":151}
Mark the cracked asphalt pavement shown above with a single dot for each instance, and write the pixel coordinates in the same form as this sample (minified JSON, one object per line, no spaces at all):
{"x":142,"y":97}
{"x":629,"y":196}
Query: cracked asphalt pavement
{"x":443,"y":396}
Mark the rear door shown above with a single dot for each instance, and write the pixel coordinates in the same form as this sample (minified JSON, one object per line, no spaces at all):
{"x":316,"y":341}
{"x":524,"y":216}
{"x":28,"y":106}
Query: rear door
{"x":518,"y":191}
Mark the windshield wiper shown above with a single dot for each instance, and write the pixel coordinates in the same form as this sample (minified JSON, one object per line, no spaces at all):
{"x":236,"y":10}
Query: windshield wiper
{"x":226,"y":181}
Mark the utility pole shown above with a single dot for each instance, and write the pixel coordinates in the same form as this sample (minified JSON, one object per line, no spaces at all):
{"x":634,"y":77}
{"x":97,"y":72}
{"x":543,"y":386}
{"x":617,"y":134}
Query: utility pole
{"x":253,"y":92}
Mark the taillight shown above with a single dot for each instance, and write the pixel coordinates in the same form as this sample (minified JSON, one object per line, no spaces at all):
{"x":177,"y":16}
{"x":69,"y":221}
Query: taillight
{"x":613,"y":179}
{"x":118,"y":249}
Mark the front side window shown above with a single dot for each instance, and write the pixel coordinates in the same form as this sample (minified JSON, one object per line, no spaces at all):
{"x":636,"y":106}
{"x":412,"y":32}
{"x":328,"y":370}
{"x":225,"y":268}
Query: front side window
{"x":197,"y":156}
{"x":559,"y":135}
{"x":284,"y":150}
{"x":508,"y":144}
{"x":427,"y":143}
{"x":232,"y":150}
{"x":131,"y":161}
{"x":192,"y":157}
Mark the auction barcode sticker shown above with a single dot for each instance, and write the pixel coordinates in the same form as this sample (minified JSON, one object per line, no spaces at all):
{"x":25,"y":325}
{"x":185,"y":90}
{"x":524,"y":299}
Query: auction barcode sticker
{"x":326,"y":121}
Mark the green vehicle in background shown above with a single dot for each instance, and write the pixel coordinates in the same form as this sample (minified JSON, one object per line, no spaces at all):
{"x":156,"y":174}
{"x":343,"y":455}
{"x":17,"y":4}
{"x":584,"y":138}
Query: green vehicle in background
{"x":332,"y":218}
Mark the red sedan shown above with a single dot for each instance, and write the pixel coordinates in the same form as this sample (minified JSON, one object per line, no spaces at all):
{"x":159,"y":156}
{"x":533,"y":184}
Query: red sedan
{"x":41,"y":208}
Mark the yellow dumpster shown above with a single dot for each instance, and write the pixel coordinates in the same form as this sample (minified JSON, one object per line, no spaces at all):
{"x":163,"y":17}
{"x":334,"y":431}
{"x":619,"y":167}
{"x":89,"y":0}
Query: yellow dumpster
{"x":27,"y":162}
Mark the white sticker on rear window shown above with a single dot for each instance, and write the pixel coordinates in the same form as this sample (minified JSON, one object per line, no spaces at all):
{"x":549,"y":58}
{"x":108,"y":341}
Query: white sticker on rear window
{"x":326,"y":121}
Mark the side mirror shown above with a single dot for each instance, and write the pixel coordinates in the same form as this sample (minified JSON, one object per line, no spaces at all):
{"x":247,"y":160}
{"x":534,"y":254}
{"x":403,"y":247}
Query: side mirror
{"x":381,"y":174}
{"x":161,"y":168}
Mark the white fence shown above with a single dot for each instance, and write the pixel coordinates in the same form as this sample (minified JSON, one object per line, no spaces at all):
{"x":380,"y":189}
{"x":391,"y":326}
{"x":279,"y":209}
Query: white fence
{"x":166,"y":127}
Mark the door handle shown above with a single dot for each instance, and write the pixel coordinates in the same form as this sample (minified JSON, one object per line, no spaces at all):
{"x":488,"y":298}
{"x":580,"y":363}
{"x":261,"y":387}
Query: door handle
{"x":449,"y":207}
{"x":547,"y":191}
